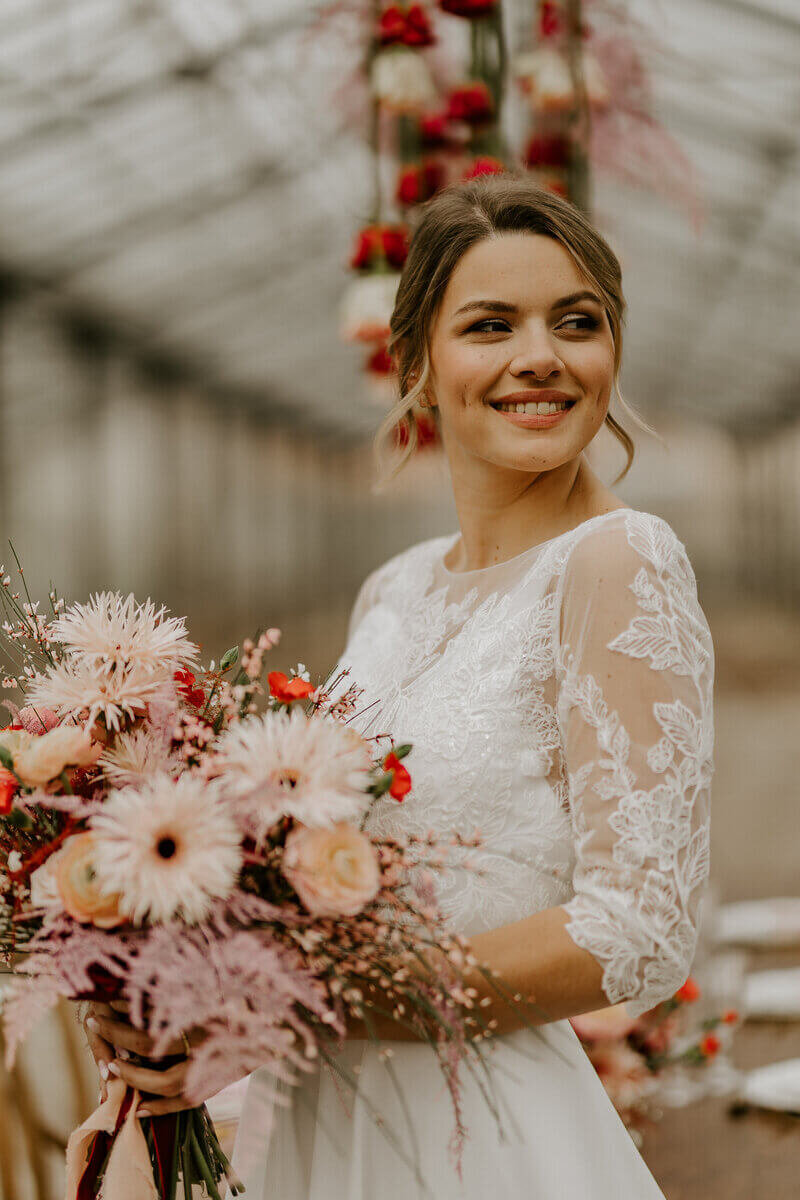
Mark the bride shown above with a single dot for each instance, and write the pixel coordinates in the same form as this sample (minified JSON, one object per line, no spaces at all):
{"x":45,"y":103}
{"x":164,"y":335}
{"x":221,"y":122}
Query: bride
{"x":553,"y":669}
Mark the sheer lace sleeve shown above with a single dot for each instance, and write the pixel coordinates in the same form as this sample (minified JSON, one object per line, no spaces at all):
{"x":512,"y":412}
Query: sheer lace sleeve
{"x":635,"y":670}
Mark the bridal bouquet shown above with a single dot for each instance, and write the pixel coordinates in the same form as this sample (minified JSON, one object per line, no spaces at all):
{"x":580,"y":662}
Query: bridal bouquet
{"x":192,"y":842}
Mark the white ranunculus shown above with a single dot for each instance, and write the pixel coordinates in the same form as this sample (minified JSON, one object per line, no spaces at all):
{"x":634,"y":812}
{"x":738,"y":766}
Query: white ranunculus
{"x":401,"y":80}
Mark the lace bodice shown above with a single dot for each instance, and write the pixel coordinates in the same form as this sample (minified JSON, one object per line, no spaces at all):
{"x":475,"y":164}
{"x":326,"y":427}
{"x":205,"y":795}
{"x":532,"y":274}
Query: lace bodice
{"x":560,"y":703}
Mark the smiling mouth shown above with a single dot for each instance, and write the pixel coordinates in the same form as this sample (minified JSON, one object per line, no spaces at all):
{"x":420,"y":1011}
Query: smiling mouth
{"x":542,"y":408}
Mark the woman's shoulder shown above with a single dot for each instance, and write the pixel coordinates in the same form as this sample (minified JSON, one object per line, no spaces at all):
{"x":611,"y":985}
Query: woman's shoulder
{"x":623,"y":538}
{"x":400,"y":573}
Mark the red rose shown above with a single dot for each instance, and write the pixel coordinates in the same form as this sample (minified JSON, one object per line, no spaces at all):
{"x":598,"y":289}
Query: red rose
{"x":433,"y":129}
{"x":8,"y":787}
{"x":401,"y":780}
{"x":472,"y":102}
{"x":549,"y":19}
{"x":376,"y":242}
{"x":547,"y":150}
{"x":710,"y":1045}
{"x":468,"y":8}
{"x":418,"y":27}
{"x":407,"y":27}
{"x":287,"y":690}
{"x":484,"y":166}
{"x":419,"y":182}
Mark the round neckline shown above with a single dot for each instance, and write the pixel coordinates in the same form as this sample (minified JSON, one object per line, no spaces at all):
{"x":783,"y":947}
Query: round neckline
{"x":538,"y":546}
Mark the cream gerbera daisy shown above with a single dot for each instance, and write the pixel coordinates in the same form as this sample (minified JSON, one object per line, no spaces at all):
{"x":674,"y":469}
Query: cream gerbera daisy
{"x":134,"y":756}
{"x":289,"y":764}
{"x":75,"y":685}
{"x":169,"y":849}
{"x":113,"y":634}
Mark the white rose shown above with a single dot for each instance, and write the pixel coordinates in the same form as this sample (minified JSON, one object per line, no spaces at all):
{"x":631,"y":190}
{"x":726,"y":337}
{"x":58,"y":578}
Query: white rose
{"x":45,"y":757}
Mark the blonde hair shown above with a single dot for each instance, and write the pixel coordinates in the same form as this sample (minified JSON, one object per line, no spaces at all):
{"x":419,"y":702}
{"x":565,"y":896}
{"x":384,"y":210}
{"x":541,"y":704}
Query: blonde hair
{"x":458,"y":217}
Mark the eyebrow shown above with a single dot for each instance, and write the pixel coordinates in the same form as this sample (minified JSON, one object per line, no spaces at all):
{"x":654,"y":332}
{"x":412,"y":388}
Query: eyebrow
{"x":503,"y":306}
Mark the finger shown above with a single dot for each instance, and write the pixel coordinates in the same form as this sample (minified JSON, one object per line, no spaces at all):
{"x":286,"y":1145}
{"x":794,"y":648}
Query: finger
{"x":122,"y":1035}
{"x":158,"y":1108}
{"x":120,"y":1006}
{"x":161,"y":1083}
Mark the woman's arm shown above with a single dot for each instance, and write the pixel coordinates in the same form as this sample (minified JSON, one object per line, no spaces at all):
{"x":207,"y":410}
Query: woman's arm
{"x":534,"y":958}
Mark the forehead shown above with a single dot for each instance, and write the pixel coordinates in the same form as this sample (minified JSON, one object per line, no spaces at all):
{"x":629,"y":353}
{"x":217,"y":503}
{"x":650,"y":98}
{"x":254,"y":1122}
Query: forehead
{"x":521,"y":267}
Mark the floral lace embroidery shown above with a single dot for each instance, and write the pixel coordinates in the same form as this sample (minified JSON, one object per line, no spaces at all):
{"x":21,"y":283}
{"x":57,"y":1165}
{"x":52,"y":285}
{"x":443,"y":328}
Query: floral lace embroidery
{"x":618,"y":832}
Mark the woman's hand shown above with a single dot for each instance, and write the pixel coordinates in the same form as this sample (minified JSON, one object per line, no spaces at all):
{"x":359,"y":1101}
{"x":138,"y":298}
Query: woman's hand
{"x":113,"y":1039}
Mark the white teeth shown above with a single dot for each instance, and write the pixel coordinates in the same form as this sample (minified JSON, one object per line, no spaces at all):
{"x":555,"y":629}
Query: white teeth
{"x":531,"y":408}
{"x":543,"y":408}
{"x":520,"y":408}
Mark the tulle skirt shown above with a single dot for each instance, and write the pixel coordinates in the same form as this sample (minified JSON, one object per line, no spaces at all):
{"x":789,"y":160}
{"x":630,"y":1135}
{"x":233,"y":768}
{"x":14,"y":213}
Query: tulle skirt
{"x":556,"y":1137}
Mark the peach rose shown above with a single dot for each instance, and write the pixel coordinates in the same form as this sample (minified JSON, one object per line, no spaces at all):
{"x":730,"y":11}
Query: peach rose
{"x":44,"y":885}
{"x":605,"y":1023}
{"x":44,"y":758}
{"x":334,"y":871}
{"x":78,"y":888}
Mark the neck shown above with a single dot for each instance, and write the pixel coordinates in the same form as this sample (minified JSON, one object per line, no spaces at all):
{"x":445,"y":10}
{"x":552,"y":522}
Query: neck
{"x":502,"y":512}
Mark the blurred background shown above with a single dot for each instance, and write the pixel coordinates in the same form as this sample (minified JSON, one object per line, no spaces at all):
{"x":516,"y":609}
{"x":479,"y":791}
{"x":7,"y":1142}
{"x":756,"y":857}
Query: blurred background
{"x":182,"y":183}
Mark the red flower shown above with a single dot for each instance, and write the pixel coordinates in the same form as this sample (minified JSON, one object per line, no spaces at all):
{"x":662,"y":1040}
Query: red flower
{"x":186,"y":687}
{"x":401,"y":780}
{"x":407,"y":27}
{"x":730,"y":1016}
{"x":433,"y":129}
{"x":689,"y":992}
{"x":468,"y":8}
{"x":549,"y":19}
{"x":380,"y":242}
{"x":8,"y":787}
{"x":547,"y":150}
{"x":380,"y":362}
{"x":287,"y":690}
{"x":472,"y":102}
{"x":419,"y":182}
{"x":427,"y":432}
{"x":710,"y":1045}
{"x":484,"y":166}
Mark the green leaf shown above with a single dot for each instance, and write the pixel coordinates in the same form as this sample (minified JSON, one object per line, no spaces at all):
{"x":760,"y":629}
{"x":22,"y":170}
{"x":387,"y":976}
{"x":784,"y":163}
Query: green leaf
{"x":6,"y":758}
{"x":229,"y":658}
{"x":402,"y":751}
{"x":382,"y":785}
{"x":19,"y":819}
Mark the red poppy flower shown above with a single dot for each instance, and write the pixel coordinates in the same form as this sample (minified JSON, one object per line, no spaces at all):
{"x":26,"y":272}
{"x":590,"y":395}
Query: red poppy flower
{"x":472,"y":102}
{"x":406,"y":27}
{"x":401,"y":780}
{"x":419,"y":182}
{"x":730,"y":1016}
{"x":186,"y":687}
{"x":547,"y":150}
{"x":689,"y":992}
{"x":287,"y":690}
{"x":8,"y":787}
{"x":380,"y":362}
{"x":427,"y":432}
{"x":376,"y":242}
{"x":710,"y":1045}
{"x":418,"y":27}
{"x":484,"y":166}
{"x":468,"y":8}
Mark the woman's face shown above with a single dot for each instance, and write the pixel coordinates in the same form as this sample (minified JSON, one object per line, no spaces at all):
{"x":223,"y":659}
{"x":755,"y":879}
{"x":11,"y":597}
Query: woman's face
{"x":522,"y":355}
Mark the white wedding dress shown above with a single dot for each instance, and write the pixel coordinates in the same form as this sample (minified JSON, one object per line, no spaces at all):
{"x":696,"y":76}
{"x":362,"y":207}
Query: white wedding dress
{"x":561,"y":703}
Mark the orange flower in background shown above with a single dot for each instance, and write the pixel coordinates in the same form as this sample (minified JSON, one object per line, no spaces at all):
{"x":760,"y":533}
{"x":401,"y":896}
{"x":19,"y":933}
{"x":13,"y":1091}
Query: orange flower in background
{"x":730,"y":1016}
{"x":77,"y":886}
{"x":689,"y":992}
{"x":8,"y":788}
{"x":710,"y":1045}
{"x":287,"y":690}
{"x":401,"y":780}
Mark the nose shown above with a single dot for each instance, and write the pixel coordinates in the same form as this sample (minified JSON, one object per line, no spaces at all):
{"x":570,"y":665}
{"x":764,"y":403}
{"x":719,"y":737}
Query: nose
{"x":535,"y":355}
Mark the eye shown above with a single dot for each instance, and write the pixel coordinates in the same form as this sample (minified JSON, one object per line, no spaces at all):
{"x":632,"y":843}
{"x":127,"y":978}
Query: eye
{"x":480,"y":325}
{"x":583,"y":321}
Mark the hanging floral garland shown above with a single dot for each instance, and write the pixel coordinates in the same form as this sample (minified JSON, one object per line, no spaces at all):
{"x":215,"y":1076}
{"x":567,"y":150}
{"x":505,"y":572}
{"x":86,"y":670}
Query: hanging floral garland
{"x":432,"y":124}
